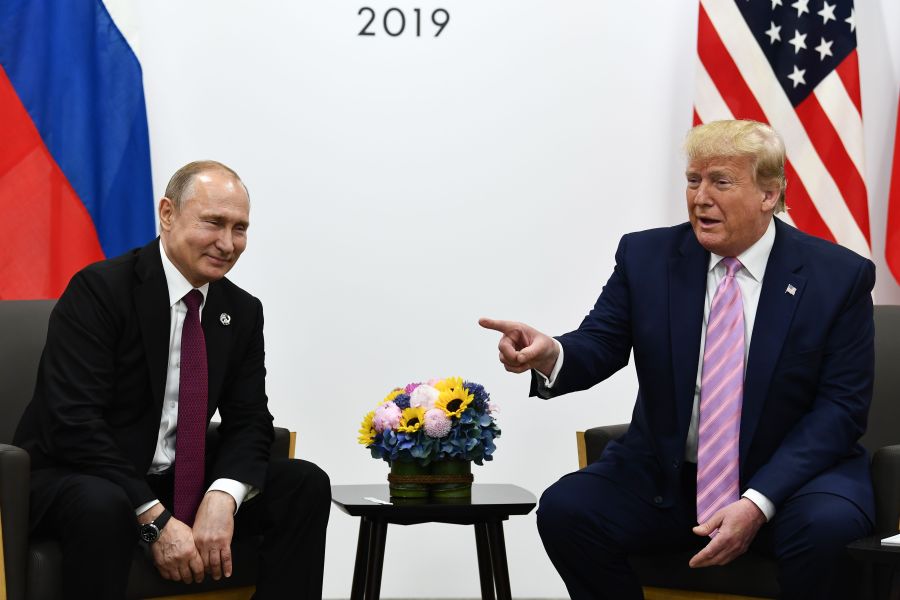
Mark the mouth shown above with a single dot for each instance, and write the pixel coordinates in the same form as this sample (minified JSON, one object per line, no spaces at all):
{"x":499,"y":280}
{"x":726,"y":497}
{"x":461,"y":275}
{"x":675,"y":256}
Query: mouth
{"x":707,"y":222}
{"x":220,"y":262}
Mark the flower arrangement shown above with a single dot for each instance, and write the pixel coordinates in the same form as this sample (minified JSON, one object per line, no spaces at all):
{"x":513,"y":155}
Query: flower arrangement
{"x":427,"y":422}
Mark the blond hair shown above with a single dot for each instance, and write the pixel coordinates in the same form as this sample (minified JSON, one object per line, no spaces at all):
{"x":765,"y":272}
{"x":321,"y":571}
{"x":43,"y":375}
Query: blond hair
{"x":742,"y":138}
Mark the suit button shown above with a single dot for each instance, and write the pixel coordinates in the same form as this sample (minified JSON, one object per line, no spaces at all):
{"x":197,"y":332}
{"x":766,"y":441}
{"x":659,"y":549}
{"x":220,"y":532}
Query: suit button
{"x":657,"y":500}
{"x":675,"y":464}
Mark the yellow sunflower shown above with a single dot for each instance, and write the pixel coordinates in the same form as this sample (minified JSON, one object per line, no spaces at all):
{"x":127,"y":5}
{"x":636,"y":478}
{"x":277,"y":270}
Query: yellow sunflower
{"x":366,"y":430}
{"x":449,"y":384}
{"x":455,"y":401}
{"x":412,"y":419}
{"x":393,"y":394}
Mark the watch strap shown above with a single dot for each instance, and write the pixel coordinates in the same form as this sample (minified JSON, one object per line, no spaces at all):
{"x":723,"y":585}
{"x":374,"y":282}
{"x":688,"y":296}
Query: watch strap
{"x":162,"y":519}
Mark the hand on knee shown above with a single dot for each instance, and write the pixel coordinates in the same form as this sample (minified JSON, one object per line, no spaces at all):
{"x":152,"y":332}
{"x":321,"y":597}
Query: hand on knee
{"x":175,"y":554}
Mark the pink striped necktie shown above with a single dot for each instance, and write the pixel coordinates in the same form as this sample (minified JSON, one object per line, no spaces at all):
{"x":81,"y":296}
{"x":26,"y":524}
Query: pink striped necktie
{"x":721,"y":394}
{"x":190,"y":436}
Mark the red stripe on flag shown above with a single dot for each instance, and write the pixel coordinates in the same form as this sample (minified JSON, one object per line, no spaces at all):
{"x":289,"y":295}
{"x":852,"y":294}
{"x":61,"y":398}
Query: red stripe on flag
{"x":697,"y":119}
{"x":892,"y":240}
{"x":48,"y":234}
{"x":848,"y":71}
{"x":743,"y":105}
{"x":827,"y":143}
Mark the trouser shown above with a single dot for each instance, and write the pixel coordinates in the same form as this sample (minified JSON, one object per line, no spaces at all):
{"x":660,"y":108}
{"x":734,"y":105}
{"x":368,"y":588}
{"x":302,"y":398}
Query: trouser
{"x":589,"y":525}
{"x":97,"y":529}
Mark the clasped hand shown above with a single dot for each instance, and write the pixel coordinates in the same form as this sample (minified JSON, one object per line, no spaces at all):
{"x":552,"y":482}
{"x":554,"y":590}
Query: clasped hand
{"x":732,"y":530}
{"x":186,"y":554}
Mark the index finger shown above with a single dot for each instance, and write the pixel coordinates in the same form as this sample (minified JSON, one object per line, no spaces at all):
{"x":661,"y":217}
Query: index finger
{"x":497,"y":324}
{"x":196,"y":566}
{"x":214,"y":563}
{"x":707,"y":555}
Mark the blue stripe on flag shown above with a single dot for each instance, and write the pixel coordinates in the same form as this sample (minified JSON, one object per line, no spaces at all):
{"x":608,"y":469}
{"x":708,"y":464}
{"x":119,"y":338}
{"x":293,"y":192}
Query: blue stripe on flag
{"x":81,"y":84}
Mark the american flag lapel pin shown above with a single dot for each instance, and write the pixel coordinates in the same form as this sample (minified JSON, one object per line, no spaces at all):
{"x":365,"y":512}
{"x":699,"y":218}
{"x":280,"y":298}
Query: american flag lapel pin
{"x":790,"y":290}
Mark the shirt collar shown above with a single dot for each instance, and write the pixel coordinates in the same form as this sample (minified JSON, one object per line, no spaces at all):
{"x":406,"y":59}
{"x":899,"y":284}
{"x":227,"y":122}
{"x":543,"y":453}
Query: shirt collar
{"x":754,"y":258}
{"x":178,"y":285}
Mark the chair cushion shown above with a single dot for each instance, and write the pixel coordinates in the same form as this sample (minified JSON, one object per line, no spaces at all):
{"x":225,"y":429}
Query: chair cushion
{"x":45,"y":558}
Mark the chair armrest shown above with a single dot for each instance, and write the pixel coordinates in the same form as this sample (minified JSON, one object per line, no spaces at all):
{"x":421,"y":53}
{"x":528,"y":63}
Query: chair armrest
{"x":282,"y":444}
{"x":595,"y":440}
{"x":886,"y":481}
{"x":15,"y":477}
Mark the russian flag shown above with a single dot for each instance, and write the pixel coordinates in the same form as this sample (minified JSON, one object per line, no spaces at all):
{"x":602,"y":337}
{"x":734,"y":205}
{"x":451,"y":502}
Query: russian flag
{"x":75,"y":183}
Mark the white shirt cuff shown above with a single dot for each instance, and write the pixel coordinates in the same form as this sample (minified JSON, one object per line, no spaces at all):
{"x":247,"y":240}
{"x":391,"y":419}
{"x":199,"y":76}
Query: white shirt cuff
{"x":145,"y":507}
{"x":237,"y":490}
{"x":763,"y":503}
{"x":549,"y":381}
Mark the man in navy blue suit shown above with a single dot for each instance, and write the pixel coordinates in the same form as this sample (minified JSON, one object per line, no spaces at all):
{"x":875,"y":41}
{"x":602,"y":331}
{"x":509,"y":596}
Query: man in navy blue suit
{"x":801,"y":487}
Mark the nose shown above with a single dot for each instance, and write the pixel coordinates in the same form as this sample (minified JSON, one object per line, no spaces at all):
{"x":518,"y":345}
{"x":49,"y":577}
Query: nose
{"x":225,"y":241}
{"x":701,"y":195}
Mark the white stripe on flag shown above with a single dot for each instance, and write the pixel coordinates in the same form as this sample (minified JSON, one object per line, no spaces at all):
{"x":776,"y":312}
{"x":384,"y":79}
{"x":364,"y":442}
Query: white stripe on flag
{"x":124,"y":15}
{"x":842,"y":113}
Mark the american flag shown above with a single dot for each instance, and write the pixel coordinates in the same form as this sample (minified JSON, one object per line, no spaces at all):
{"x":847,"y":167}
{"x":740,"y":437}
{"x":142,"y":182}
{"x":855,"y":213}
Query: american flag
{"x":795,"y":66}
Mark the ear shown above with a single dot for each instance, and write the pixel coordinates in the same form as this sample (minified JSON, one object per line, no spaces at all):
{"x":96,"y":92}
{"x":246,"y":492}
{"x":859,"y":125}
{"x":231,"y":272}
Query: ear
{"x":166,"y":213}
{"x":769,"y":198}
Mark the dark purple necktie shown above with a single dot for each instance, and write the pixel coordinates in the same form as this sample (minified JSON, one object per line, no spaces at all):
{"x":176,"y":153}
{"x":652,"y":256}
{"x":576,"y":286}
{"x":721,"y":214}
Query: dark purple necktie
{"x":190,"y":435}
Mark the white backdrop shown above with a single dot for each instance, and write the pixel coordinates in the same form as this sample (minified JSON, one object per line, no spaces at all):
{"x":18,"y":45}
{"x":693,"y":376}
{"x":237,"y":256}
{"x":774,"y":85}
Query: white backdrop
{"x":402,"y":187}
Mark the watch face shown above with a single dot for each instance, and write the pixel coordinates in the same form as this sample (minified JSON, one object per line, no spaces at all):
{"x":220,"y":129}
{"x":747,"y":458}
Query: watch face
{"x":149,"y":533}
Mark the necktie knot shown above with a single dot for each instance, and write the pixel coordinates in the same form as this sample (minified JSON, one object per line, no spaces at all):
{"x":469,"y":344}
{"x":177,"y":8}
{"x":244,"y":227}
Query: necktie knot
{"x":732,"y":265}
{"x":193,"y":299}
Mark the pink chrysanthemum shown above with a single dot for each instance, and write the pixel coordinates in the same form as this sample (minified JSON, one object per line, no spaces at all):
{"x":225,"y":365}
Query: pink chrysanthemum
{"x":410,"y":388}
{"x":387,"y":416}
{"x":437,"y":424}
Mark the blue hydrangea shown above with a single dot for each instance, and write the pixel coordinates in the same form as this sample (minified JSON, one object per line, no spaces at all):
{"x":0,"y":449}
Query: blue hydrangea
{"x":481,"y":397}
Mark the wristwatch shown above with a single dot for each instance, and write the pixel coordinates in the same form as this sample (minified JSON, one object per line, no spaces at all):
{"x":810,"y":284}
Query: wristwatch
{"x":150,"y":531}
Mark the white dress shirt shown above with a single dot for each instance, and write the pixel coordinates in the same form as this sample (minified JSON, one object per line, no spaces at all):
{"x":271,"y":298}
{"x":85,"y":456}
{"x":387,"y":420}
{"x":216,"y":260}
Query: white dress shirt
{"x":164,"y":457}
{"x":749,"y":279}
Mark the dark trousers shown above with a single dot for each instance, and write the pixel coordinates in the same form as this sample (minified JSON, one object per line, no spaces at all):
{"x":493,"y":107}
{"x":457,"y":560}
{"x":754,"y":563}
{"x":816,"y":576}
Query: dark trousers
{"x":96,"y":526}
{"x":589,"y":525}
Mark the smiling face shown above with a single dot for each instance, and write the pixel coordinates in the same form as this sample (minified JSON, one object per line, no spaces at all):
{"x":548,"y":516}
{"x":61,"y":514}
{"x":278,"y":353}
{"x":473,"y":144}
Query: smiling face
{"x":727,"y":209}
{"x":207,"y":234}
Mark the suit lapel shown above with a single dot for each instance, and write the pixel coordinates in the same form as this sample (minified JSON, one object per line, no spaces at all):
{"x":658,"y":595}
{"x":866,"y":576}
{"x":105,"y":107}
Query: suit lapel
{"x":151,"y":299}
{"x":687,"y":287}
{"x":773,"y":320}
{"x":218,"y":340}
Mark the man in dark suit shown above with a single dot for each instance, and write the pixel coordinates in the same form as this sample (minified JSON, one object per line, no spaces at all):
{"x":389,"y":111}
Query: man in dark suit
{"x":141,"y":351}
{"x":744,"y":444}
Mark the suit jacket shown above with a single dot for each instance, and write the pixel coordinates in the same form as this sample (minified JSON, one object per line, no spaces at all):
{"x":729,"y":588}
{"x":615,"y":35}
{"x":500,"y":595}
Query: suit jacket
{"x":809,"y":373}
{"x":98,"y":399}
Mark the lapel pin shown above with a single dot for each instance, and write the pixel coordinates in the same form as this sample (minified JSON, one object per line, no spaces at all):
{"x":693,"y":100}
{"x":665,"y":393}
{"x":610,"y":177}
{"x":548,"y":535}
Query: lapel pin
{"x":790,"y":290}
{"x":225,"y":318}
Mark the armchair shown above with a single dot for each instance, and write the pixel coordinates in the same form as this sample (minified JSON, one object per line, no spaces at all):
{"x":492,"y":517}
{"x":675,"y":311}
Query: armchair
{"x":30,"y":570}
{"x":752,"y":576}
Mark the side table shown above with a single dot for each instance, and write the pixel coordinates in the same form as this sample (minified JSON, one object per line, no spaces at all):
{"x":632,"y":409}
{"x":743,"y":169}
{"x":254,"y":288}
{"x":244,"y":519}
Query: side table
{"x":883,"y":563}
{"x":489,"y":506}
